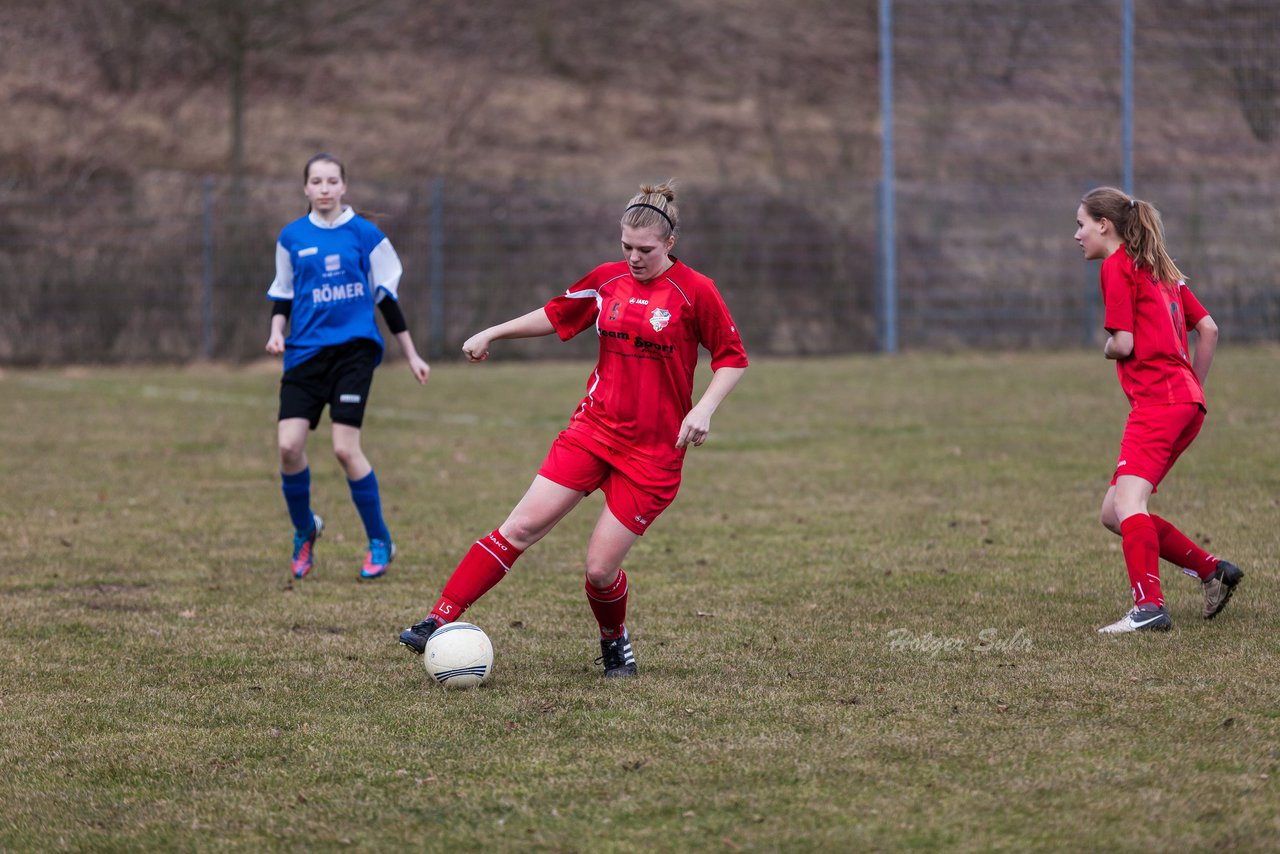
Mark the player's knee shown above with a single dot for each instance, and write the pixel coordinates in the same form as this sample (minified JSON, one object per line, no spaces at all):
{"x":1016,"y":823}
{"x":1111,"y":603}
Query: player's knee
{"x":521,"y":532}
{"x":601,"y":576}
{"x":291,"y":454}
{"x":1108,"y":516}
{"x":346,"y":455}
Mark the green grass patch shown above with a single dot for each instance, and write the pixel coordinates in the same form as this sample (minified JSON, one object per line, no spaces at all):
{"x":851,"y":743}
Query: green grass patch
{"x":867,"y":623}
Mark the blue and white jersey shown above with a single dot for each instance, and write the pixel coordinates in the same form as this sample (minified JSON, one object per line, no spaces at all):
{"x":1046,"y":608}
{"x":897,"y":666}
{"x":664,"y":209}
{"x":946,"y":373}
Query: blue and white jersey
{"x":335,"y":274}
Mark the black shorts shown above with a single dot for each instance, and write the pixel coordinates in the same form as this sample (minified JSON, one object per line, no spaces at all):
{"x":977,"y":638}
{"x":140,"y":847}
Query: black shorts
{"x":339,"y":376}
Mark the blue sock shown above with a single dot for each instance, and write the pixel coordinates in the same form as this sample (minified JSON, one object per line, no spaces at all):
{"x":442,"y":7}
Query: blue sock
{"x":364,"y":493}
{"x":297,"y":494}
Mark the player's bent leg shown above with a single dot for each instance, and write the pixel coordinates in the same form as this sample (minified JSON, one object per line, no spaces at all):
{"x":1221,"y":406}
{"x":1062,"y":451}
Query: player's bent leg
{"x":1107,"y":516}
{"x":1131,"y":495}
{"x":347,"y":449}
{"x":366,"y":496}
{"x":295,"y":482}
{"x":607,"y":549}
{"x":291,"y":437}
{"x":491,"y":557}
{"x":607,"y":591}
{"x":544,"y":504}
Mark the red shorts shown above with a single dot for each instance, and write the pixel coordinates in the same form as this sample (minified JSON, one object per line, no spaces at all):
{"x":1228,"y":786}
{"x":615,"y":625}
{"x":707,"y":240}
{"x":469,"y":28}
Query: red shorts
{"x":635,"y":492}
{"x":1154,"y":438}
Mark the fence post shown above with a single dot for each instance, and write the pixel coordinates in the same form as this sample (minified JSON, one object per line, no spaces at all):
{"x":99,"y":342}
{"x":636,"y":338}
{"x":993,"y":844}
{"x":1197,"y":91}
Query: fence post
{"x":206,"y":270}
{"x":435,"y":347}
{"x":888,"y":268}
{"x":1126,"y":95}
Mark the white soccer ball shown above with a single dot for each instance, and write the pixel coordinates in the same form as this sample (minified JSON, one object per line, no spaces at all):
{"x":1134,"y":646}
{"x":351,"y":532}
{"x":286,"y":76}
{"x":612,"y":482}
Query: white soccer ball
{"x":459,"y":655}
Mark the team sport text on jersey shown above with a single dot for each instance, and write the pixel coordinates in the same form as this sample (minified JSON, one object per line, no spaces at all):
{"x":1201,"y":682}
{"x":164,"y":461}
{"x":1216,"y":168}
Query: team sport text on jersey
{"x":642,"y":385}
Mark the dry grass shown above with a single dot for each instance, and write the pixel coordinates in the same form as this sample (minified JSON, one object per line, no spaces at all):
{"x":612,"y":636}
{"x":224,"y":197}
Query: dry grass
{"x":868,"y":623}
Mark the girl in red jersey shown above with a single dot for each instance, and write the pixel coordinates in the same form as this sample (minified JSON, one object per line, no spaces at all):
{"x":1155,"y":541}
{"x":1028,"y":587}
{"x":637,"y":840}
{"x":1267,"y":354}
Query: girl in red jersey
{"x":629,"y":435}
{"x":1149,"y":310}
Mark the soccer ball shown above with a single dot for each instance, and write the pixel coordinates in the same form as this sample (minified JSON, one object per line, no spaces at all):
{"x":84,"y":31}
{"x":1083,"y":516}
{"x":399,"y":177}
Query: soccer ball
{"x":459,"y":655}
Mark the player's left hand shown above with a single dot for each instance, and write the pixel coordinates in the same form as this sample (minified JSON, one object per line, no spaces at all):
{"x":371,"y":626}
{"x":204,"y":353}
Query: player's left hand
{"x":421,"y":370}
{"x":694,"y":430}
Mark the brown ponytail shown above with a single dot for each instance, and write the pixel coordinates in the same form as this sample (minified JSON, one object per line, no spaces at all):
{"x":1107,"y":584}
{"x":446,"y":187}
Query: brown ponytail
{"x":1139,"y":225}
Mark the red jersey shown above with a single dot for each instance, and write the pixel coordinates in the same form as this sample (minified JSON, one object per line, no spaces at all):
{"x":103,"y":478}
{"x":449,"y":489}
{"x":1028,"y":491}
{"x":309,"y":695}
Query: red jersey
{"x":1158,"y":314}
{"x":642,"y":385}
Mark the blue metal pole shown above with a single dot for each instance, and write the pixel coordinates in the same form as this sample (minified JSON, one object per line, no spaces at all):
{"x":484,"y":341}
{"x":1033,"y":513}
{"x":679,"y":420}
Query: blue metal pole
{"x":888,"y":240}
{"x":1126,"y":61}
{"x":436,"y":346}
{"x":206,"y":270}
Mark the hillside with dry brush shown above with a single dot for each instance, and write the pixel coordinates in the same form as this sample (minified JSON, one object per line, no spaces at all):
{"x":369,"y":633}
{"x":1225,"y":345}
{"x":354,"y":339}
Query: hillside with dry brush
{"x":554,"y":110}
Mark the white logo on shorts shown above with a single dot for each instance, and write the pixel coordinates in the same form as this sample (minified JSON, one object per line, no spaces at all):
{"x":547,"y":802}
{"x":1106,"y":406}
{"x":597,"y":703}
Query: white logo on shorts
{"x":349,"y":398}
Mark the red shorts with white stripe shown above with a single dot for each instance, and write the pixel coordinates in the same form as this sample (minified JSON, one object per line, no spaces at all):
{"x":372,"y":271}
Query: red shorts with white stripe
{"x":635,"y":491}
{"x":1154,"y":438}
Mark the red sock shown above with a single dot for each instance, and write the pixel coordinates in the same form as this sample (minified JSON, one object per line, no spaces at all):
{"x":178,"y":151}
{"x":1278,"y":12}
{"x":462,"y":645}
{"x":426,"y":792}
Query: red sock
{"x":1181,"y":552}
{"x":1141,"y":547}
{"x":487,"y":562}
{"x":610,"y":606}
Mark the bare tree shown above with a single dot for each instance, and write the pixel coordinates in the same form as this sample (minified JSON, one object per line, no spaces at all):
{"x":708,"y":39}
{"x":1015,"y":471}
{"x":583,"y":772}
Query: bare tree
{"x":1251,"y":47}
{"x":233,"y":35}
{"x":1243,"y":37}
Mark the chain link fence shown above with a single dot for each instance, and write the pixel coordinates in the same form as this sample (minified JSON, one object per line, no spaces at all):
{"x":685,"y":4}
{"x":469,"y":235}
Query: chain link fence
{"x":1004,"y":116}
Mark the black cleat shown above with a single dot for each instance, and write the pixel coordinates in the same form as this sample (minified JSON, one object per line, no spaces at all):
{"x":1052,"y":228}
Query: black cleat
{"x":1219,"y":587}
{"x":616,"y":656}
{"x":415,"y":637}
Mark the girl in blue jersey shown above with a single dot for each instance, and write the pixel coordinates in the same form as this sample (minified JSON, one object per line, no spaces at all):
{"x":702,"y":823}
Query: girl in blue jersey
{"x":332,"y":267}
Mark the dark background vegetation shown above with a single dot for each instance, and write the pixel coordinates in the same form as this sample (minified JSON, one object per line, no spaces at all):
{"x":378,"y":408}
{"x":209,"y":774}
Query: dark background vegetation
{"x":152,"y":149}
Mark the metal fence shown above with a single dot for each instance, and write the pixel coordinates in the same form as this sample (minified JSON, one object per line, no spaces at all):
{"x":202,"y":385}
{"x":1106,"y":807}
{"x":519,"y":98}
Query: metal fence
{"x":1005,"y":112}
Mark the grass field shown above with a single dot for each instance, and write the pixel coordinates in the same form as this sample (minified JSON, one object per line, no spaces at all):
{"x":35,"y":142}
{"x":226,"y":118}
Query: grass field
{"x":868,"y":622}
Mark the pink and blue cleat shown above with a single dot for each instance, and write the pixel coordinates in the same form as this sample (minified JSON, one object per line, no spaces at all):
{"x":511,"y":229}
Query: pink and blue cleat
{"x":304,"y":547}
{"x":380,"y":555}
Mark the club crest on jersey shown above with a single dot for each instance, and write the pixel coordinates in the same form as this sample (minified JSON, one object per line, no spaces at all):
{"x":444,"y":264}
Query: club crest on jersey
{"x":659,"y":319}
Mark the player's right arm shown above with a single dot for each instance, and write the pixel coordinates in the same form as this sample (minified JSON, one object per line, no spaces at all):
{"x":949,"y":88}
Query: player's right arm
{"x":275,"y":342}
{"x":532,"y":325}
{"x":281,"y":295}
{"x":1117,"y":299}
{"x":1119,"y":345}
